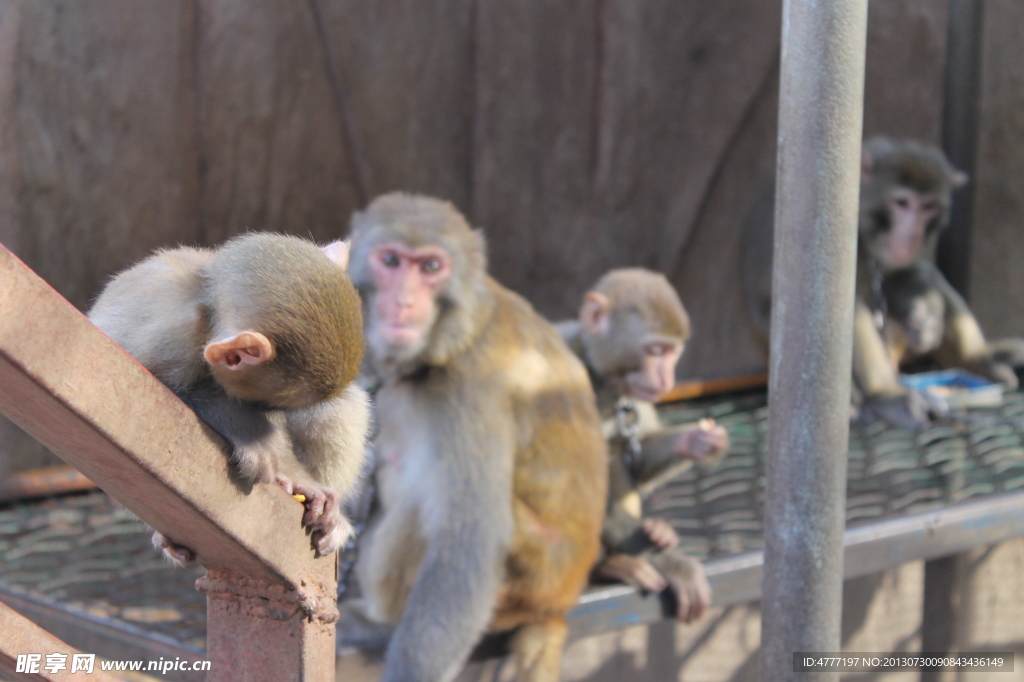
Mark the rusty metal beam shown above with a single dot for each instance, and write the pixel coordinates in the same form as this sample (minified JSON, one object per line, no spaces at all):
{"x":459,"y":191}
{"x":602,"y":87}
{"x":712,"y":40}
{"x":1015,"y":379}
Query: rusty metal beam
{"x":112,"y":639}
{"x":68,"y":385}
{"x":19,"y":635}
{"x":821,"y":97}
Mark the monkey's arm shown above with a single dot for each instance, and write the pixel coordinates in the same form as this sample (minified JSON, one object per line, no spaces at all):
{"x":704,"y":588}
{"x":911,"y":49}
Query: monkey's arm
{"x":872,"y":369}
{"x":468,"y":527}
{"x":258,"y":445}
{"x":963,"y":343}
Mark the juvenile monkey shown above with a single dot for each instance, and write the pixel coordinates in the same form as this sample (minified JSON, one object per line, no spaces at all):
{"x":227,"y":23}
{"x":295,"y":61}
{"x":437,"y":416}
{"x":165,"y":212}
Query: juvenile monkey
{"x":494,"y":471}
{"x":631,"y":332}
{"x":915,"y":317}
{"x":262,"y":337}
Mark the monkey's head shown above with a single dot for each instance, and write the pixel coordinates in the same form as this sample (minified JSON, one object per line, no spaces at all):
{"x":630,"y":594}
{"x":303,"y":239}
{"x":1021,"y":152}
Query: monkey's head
{"x":905,"y":195}
{"x":286,"y":321}
{"x":422,"y":271}
{"x":918,"y":307}
{"x":634,"y":330}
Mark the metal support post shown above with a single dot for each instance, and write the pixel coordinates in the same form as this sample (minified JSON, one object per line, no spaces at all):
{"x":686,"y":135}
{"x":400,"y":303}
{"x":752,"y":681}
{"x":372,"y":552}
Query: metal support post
{"x":820,"y":121}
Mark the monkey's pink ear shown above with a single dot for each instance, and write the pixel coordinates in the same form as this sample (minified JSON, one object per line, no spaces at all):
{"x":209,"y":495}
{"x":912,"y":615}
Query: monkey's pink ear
{"x":337,"y":252}
{"x":247,"y":349}
{"x":595,"y":315}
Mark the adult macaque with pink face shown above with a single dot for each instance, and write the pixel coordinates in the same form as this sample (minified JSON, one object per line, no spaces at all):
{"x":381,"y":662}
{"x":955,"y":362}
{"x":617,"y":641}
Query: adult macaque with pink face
{"x":906,"y":192}
{"x":631,"y":331}
{"x":491,"y":466}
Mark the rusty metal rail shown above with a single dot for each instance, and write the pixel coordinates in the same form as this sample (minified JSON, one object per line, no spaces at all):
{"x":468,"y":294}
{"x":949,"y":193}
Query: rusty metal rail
{"x":67,"y":384}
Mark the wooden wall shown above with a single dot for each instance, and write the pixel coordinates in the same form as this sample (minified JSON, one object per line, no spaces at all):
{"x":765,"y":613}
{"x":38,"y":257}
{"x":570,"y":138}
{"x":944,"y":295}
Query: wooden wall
{"x":580,"y":135}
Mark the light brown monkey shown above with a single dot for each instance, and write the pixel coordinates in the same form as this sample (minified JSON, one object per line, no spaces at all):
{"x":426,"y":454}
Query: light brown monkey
{"x":631,"y":332}
{"x":493,"y":475}
{"x":262,"y":338}
{"x":905,"y":197}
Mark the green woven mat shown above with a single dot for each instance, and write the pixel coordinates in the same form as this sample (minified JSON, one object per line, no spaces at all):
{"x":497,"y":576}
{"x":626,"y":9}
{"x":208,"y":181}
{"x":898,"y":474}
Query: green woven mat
{"x":717,"y":510}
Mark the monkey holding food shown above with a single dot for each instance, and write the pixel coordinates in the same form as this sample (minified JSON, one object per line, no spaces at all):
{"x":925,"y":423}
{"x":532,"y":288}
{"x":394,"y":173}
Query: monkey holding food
{"x":492,"y":468}
{"x":905,"y":197}
{"x":262,"y":337}
{"x":630,"y":334}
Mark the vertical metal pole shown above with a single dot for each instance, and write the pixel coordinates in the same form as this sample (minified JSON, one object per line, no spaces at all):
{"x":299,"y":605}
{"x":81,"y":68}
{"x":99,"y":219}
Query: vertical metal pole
{"x":960,"y":134}
{"x":820,"y":120}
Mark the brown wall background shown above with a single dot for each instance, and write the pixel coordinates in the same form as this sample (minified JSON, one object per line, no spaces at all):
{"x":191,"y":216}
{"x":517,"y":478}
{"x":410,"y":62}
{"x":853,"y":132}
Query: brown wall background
{"x":582,"y":136}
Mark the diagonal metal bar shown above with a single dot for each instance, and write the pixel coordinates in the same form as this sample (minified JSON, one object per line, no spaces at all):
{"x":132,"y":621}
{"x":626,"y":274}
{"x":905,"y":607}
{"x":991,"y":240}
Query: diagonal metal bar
{"x":22,"y":636}
{"x":81,"y":395}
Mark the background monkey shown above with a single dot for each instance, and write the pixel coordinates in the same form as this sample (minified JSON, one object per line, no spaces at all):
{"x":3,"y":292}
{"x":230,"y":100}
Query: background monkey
{"x":492,"y":476}
{"x":631,"y":332}
{"x":906,"y":192}
{"x":262,"y":338}
{"x":915,"y":316}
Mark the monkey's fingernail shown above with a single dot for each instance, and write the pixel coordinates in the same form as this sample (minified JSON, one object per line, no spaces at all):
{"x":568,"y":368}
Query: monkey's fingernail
{"x":300,"y":497}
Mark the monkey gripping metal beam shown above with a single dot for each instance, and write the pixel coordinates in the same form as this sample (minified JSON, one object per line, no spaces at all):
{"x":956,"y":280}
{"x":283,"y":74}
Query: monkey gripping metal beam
{"x":271,"y":604}
{"x":820,"y":118}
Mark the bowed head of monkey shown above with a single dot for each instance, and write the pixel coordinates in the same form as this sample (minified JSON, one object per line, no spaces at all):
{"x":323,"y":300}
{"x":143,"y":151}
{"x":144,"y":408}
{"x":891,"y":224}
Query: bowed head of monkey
{"x":262,"y":338}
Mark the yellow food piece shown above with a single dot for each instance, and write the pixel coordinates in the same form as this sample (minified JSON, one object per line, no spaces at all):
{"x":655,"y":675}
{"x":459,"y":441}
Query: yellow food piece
{"x":300,"y":497}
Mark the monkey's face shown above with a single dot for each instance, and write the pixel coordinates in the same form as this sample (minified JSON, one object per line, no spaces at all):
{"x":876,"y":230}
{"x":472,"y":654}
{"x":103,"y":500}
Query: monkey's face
{"x":902,"y":225}
{"x":925,"y":323}
{"x":408,"y":282}
{"x":655,"y":373}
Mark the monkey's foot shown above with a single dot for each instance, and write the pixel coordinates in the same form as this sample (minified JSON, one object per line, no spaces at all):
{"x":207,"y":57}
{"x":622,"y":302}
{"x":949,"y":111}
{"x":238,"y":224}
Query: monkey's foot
{"x":687,"y":583}
{"x":632,"y":570}
{"x":333,"y":539}
{"x":323,"y":514}
{"x":178,"y":554}
{"x":908,"y":411}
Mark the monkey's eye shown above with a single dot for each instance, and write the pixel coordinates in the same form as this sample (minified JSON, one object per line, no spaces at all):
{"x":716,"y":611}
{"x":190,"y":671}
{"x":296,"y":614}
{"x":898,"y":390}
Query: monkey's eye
{"x":930,"y":206}
{"x":390,"y":260}
{"x":658,"y":349}
{"x":902,"y":202}
{"x":431,"y":266}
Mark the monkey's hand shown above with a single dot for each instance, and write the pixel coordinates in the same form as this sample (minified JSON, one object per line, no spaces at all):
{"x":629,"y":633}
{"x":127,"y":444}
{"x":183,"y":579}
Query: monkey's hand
{"x":179,"y":555}
{"x":260,"y":461}
{"x":633,"y":570}
{"x":706,"y":442}
{"x":660,"y":533}
{"x":688,"y":582}
{"x":323,"y":513}
{"x":909,"y":411}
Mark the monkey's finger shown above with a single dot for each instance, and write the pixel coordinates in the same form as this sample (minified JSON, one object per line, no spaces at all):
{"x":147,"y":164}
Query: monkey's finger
{"x":649,"y":579}
{"x":314,"y":509}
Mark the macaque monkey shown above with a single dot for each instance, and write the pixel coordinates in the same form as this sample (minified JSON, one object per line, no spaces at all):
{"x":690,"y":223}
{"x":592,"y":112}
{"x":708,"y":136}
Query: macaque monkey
{"x":262,"y":337}
{"x":493,"y":470}
{"x":915,"y":317}
{"x":906,"y":192}
{"x":630,"y":334}
{"x":905,"y":197}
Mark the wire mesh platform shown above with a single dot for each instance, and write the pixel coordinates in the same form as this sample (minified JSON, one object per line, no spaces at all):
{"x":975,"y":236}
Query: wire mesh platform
{"x":83,"y":567}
